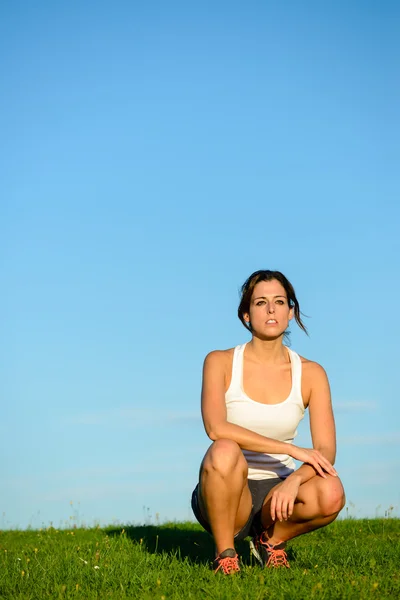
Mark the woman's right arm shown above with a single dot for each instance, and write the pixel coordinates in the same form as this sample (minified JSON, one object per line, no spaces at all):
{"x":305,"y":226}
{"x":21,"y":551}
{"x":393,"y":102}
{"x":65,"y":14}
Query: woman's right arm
{"x":213,"y":410}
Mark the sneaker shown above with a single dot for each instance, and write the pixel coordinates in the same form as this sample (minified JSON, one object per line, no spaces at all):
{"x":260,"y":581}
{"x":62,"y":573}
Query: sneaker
{"x":268,"y":555}
{"x":227,"y":562}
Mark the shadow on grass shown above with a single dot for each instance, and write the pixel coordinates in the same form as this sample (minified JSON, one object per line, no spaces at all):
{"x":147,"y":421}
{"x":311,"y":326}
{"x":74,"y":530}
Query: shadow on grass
{"x":197,"y":546}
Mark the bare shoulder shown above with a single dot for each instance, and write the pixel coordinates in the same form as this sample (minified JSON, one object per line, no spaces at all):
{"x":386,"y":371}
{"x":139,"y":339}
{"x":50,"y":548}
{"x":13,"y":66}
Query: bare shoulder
{"x":219,"y":358}
{"x":218,"y":366}
{"x":313,"y":371}
{"x":314,"y":380}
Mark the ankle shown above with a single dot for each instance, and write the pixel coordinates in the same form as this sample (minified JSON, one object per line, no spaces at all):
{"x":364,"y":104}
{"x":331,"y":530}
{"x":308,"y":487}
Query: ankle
{"x":228,"y":552}
{"x":274,"y":541}
{"x":220,"y":550}
{"x":270,"y":538}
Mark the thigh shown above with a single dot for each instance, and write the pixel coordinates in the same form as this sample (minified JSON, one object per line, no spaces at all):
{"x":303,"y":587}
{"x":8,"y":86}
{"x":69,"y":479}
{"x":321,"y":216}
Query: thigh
{"x":318,"y":496}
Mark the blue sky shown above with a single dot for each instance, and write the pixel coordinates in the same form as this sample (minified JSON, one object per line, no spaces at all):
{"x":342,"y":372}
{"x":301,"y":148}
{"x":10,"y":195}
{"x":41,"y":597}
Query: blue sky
{"x":152,"y":157}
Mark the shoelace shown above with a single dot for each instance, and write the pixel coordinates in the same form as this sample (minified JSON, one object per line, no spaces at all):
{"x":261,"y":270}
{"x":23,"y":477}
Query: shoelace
{"x":227,"y":565}
{"x":276,"y":557}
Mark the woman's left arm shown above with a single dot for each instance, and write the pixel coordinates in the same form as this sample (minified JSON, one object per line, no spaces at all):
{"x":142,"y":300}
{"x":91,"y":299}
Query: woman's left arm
{"x":322,"y":423}
{"x":324,"y":442}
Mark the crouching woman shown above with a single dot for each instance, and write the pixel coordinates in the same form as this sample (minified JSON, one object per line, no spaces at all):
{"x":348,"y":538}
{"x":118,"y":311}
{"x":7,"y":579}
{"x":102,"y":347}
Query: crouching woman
{"x":253,"y":398}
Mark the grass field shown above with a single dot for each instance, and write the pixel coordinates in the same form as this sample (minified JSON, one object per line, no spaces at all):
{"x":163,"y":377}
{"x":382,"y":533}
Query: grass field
{"x":348,"y":559}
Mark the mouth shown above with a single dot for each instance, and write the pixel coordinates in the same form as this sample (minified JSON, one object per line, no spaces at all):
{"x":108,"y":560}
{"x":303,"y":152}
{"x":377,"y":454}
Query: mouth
{"x":272,"y":322}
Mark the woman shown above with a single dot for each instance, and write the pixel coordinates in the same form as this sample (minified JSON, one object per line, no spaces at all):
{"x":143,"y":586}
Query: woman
{"x":253,"y":398}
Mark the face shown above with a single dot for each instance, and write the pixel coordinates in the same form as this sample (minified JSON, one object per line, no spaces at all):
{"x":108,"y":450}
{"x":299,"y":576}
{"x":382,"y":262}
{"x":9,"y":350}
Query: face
{"x":269,"y":309}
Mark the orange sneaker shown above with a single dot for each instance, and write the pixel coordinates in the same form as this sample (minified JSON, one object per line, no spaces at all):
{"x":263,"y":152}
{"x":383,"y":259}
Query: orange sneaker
{"x":227,"y":562}
{"x":268,"y":556}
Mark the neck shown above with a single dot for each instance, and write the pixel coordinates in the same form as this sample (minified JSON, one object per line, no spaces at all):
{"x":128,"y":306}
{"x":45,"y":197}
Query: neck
{"x":268,"y":351}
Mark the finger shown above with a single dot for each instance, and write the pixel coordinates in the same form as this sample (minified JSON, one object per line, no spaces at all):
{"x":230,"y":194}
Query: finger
{"x":318,"y":468}
{"x":328,"y":467}
{"x":326,"y":464}
{"x":314,"y":463}
{"x":332,"y":471}
{"x":290,"y":508}
{"x":273,"y":508}
{"x":279,"y":509}
{"x":285,"y":509}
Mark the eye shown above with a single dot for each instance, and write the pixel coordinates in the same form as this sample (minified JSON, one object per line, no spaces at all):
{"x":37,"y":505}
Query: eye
{"x":260,"y":302}
{"x":280,"y":302}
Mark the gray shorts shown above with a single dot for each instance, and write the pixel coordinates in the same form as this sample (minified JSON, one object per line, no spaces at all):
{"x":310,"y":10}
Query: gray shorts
{"x":259,"y":489}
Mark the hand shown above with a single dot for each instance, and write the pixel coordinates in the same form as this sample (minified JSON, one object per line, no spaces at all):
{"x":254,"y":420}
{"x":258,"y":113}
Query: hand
{"x":315,"y":459}
{"x":283,"y":498}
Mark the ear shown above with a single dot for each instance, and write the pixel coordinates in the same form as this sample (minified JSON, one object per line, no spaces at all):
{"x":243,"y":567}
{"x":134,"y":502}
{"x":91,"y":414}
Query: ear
{"x":246,"y":317}
{"x":291,"y":313}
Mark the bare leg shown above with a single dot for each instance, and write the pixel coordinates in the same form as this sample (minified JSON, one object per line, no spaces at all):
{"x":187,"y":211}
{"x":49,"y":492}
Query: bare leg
{"x":224,"y":498}
{"x":318,"y":503}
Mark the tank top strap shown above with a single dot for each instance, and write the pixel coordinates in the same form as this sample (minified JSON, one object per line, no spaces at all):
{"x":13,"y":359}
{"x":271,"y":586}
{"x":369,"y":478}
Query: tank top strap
{"x":296,"y":376}
{"x":237,"y":369}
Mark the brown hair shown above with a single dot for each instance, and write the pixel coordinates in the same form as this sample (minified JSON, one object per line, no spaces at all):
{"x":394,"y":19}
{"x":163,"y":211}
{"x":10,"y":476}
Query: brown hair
{"x":265,"y":275}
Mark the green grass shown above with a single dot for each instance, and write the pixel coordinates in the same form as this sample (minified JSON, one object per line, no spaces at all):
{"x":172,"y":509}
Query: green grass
{"x":348,"y":559}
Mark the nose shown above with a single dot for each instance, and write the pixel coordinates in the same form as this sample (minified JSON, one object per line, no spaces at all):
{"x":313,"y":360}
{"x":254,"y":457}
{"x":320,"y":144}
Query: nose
{"x":271,"y":308}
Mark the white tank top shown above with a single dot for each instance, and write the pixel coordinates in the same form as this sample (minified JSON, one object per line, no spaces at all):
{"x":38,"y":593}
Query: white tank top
{"x":276,"y":421}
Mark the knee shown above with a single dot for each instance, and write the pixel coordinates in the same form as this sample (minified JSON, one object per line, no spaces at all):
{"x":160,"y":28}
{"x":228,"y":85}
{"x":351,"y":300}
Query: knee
{"x":331,"y":496}
{"x":224,"y":457}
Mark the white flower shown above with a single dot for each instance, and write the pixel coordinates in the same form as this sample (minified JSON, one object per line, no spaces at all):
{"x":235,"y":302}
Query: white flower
{"x":96,"y":567}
